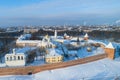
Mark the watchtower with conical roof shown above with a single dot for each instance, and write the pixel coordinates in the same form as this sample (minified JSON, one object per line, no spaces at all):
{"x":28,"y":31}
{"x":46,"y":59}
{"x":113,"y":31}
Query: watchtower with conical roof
{"x":110,"y":51}
{"x":86,"y":37}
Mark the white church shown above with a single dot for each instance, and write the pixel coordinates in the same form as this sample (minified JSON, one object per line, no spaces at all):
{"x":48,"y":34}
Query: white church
{"x":45,"y":42}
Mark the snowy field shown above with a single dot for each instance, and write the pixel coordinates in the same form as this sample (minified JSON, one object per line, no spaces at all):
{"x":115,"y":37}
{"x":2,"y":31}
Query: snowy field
{"x":104,"y":69}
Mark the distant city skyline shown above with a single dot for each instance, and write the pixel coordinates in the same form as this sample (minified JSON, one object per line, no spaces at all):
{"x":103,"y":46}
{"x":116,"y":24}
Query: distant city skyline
{"x":59,"y":12}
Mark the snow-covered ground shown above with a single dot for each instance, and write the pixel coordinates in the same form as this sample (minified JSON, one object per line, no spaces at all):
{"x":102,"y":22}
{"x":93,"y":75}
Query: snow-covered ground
{"x":82,"y":53}
{"x":104,"y":69}
{"x":2,"y":65}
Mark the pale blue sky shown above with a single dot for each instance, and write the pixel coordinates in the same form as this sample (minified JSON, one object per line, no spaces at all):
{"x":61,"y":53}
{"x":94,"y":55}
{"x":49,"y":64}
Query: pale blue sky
{"x":38,"y":12}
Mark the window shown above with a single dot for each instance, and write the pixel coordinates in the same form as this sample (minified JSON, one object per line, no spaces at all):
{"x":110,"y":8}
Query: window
{"x":18,"y":57}
{"x":10,"y":58}
{"x":21,"y":57}
{"x":7,"y":59}
{"x":14,"y":57}
{"x":48,"y":60}
{"x":53,"y":58}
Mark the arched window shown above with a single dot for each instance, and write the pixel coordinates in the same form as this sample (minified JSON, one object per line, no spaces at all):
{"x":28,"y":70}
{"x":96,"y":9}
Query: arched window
{"x":21,"y":57}
{"x":18,"y":57}
{"x":7,"y":59}
{"x":10,"y":58}
{"x":14,"y":57}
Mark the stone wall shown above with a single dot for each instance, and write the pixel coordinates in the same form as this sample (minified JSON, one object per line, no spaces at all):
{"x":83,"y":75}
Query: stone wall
{"x":35,"y":69}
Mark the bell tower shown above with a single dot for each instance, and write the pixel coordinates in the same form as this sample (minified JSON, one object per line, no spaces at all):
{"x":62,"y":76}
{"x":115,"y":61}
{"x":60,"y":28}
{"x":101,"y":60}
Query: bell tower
{"x":55,"y":34}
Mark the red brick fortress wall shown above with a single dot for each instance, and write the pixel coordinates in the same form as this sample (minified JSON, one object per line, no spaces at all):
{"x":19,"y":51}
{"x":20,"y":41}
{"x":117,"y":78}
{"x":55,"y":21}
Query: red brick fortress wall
{"x":36,"y":69}
{"x":110,"y":52}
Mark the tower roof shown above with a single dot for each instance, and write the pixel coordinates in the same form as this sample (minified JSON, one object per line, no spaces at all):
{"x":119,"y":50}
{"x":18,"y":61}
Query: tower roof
{"x":65,"y":34}
{"x":86,"y":35}
{"x":110,"y":46}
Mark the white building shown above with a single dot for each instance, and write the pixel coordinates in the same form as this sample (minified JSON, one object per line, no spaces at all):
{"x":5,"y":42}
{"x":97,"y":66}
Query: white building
{"x":30,"y":30}
{"x":22,"y":41}
{"x":15,"y":59}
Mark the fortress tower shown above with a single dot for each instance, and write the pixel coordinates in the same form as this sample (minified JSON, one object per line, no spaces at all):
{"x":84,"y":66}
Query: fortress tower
{"x":110,"y":51}
{"x":86,"y":37}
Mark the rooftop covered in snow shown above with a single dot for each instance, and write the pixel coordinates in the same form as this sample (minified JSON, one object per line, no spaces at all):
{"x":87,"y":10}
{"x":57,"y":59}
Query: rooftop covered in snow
{"x":86,"y":35}
{"x":52,"y":53}
{"x":110,"y":46}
